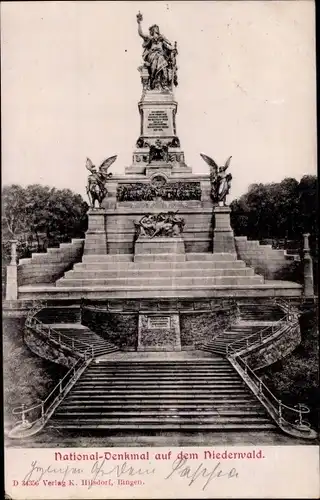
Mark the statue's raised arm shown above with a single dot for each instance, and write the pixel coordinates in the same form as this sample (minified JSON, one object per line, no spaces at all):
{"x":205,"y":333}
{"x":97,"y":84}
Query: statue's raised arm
{"x":139,"y":19}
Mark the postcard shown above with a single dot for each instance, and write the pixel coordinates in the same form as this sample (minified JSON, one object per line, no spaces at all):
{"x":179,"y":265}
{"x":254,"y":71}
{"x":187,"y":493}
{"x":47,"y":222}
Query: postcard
{"x":160,"y":248}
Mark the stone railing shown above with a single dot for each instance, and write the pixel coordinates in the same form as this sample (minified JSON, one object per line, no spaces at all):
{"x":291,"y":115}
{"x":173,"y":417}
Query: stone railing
{"x":291,"y":420}
{"x":33,"y":418}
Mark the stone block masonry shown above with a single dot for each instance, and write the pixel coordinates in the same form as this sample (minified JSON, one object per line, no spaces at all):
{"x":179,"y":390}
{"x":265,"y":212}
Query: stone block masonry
{"x":50,"y":266}
{"x":270,"y":263}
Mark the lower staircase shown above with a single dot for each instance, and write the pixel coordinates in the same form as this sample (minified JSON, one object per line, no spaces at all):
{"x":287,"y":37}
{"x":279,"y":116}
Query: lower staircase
{"x":260,"y":312}
{"x":253,"y":318}
{"x":85,"y":335}
{"x":237,"y":332}
{"x":202,"y":394}
{"x":66,"y":321}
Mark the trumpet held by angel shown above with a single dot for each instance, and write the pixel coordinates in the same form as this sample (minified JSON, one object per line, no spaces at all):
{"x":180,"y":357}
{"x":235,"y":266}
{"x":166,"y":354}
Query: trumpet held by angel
{"x":96,"y":187}
{"x":220,"y":179}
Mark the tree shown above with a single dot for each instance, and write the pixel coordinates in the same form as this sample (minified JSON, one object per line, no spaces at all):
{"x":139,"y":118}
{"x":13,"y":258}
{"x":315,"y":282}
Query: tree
{"x":282,"y":210}
{"x":40,"y":216}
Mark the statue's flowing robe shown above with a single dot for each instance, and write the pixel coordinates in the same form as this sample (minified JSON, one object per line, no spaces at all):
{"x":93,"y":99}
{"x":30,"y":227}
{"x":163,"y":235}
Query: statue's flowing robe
{"x":156,"y":55}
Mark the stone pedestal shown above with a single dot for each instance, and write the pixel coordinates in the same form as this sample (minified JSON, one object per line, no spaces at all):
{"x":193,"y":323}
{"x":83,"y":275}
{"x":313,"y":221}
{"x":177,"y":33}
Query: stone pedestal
{"x":223,"y":237}
{"x":159,"y":332}
{"x":96,"y":235}
{"x":12,"y":274}
{"x":308,"y":287}
{"x":146,"y":245}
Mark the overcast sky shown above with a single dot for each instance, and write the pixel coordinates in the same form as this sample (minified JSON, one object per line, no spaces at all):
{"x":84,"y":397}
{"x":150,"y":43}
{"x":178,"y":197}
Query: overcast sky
{"x":70,"y":87}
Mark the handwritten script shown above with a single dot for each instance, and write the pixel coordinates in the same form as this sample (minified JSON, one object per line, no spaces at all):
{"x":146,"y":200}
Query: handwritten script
{"x":37,"y":473}
{"x":192,"y":474}
{"x":99,"y":470}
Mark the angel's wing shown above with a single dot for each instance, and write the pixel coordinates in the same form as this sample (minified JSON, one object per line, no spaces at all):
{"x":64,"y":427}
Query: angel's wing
{"x":103,"y":169}
{"x":90,"y":166}
{"x":227,"y":162}
{"x":212,"y":164}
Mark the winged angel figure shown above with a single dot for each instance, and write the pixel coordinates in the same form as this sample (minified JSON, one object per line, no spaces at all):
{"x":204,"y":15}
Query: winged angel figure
{"x":96,"y":187}
{"x":219,"y":178}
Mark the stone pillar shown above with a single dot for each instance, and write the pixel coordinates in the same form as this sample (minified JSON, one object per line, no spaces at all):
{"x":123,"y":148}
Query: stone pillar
{"x":308,"y":289}
{"x":223,"y":237}
{"x":12,"y":274}
{"x":96,"y":235}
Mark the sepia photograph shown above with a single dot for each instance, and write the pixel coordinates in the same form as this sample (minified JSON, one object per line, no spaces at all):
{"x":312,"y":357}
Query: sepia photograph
{"x":159,"y":242}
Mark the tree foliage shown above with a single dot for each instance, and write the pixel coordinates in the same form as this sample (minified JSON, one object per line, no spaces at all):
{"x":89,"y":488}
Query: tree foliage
{"x":40,"y":216}
{"x":295,"y":379}
{"x":282,"y":210}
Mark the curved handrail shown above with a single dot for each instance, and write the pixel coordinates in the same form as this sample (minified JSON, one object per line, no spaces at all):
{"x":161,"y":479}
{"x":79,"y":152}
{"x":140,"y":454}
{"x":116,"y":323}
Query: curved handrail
{"x":40,"y":412}
{"x":60,"y":338}
{"x":283,"y":414}
{"x":287,"y":417}
{"x":260,"y":335}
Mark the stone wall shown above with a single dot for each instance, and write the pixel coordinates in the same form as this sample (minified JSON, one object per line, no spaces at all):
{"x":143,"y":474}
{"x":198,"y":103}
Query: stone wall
{"x":45,"y":349}
{"x":275,"y":348}
{"x":271,"y":263}
{"x":50,"y":266}
{"x":119,"y":329}
{"x":197,"y":233}
{"x":198,"y":328}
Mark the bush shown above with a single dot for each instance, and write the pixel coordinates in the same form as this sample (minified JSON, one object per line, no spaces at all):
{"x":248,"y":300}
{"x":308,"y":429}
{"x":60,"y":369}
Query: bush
{"x":295,"y":379}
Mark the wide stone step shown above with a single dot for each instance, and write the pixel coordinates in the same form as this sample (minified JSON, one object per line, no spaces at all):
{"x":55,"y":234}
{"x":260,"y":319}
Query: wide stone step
{"x":162,"y":282}
{"x":133,"y":427}
{"x":201,"y":256}
{"x":185,"y":414}
{"x":224,"y":406}
{"x":213,"y":363}
{"x":217,"y":420}
{"x":118,"y":257}
{"x":168,"y":402}
{"x":162,"y":385}
{"x":168,"y":372}
{"x":157,"y":392}
{"x":147,"y":378}
{"x":163,"y":273}
{"x":160,"y":265}
{"x":152,"y":257}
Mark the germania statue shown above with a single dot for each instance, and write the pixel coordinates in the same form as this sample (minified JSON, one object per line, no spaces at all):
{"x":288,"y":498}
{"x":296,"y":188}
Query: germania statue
{"x":219,"y":178}
{"x":96,"y":187}
{"x":159,"y":58}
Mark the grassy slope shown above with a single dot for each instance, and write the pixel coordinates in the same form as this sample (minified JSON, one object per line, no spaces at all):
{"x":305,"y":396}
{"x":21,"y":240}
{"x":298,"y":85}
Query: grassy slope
{"x":295,"y":379}
{"x":27,"y":378}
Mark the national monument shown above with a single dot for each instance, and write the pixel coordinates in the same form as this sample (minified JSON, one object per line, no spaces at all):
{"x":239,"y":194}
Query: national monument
{"x":160,"y":271}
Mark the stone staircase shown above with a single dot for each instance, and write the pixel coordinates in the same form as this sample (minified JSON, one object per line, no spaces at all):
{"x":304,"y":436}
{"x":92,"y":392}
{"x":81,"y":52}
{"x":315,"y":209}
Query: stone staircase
{"x":253,"y":318}
{"x":167,"y":270}
{"x":260,"y":312}
{"x":66,"y":320}
{"x":237,"y":332}
{"x":202,"y":394}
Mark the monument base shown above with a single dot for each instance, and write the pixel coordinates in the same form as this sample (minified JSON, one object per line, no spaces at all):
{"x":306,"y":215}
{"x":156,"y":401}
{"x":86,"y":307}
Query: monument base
{"x":170,"y":245}
{"x":96,"y":235}
{"x":223,"y":239}
{"x":159,"y":332}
